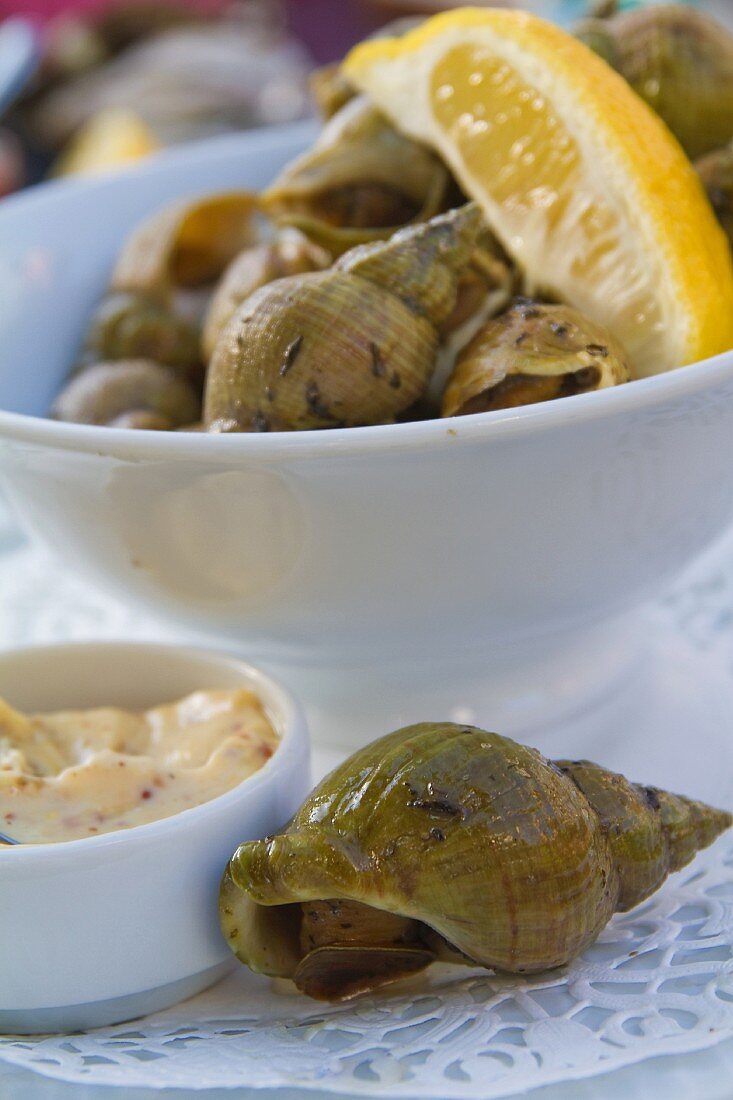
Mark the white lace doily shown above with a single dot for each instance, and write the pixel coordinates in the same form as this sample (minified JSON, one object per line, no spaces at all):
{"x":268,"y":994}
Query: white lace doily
{"x":659,"y":980}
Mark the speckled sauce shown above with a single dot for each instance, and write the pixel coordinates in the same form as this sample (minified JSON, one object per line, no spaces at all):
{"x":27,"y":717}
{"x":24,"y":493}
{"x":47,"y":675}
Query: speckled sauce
{"x":75,"y":774}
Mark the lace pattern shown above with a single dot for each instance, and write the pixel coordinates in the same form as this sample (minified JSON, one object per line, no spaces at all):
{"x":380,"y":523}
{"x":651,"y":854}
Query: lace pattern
{"x":659,"y":980}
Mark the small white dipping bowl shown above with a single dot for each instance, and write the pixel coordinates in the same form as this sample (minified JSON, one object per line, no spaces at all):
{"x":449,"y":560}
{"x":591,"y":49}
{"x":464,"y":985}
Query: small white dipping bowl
{"x":100,"y":930}
{"x":485,"y":567}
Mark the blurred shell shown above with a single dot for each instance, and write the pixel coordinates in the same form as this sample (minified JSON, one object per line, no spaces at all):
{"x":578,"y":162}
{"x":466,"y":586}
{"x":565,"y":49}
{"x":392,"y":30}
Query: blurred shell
{"x":128,"y":325}
{"x":533,"y":352}
{"x":289,"y":254}
{"x":504,"y":859}
{"x":188,"y":82}
{"x":352,"y":345}
{"x":360,"y":181}
{"x":187,"y":243}
{"x":107,"y":391}
{"x":716,"y":172}
{"x":677,"y":59}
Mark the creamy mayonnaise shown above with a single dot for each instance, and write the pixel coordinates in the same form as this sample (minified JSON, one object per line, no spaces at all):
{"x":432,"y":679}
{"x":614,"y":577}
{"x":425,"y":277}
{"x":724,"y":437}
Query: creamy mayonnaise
{"x":78,"y":773}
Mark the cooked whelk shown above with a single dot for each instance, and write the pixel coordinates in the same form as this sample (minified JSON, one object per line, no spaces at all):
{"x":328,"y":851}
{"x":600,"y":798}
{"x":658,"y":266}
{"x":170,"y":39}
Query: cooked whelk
{"x":476,"y":848}
{"x":716,"y":172}
{"x":129,"y":394}
{"x":359,"y":182}
{"x":352,"y":345}
{"x":129,"y":325}
{"x":187,"y":244}
{"x":290,"y":253}
{"x":533,"y":352}
{"x":677,"y":59}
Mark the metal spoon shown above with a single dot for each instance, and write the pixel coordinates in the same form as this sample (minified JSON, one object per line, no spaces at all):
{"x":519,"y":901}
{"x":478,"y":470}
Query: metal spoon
{"x":5,"y":839}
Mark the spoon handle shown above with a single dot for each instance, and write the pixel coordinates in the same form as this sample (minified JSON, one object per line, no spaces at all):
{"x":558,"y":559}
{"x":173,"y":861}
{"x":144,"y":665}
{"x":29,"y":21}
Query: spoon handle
{"x":4,"y":839}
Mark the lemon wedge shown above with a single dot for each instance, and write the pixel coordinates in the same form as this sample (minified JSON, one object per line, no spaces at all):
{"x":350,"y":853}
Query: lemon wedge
{"x":582,"y":182}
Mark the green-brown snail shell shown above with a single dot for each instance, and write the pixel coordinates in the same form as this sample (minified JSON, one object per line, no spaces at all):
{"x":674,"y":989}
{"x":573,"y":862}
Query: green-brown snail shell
{"x":290,"y":253}
{"x":486,"y":851}
{"x":533,"y":352}
{"x":677,"y":59}
{"x":352,"y":345}
{"x":130,"y":325}
{"x":716,"y":172}
{"x":359,"y":182}
{"x":187,"y":244}
{"x":119,"y":393}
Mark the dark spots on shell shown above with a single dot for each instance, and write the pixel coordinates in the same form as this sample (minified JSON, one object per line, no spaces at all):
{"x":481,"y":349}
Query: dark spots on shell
{"x":233,"y":933}
{"x":650,"y":794}
{"x":436,"y":802}
{"x":598,"y":350}
{"x":520,"y":339}
{"x":558,"y":329}
{"x":260,"y":423}
{"x":315,"y":402}
{"x":439,"y":806}
{"x":437,"y":834}
{"x":346,"y":924}
{"x":292,"y":352}
{"x":586,"y":377}
{"x":269,"y":393}
{"x":378,"y":368}
{"x":395,"y":381}
{"x":240,"y":339}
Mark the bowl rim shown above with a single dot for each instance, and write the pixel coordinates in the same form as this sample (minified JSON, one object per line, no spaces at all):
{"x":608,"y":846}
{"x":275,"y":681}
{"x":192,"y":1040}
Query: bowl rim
{"x":127,"y":444}
{"x":293,"y":738}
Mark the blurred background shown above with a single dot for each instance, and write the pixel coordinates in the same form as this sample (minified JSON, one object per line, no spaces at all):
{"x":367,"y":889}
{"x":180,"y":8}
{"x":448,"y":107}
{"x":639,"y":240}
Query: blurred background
{"x":89,"y":85}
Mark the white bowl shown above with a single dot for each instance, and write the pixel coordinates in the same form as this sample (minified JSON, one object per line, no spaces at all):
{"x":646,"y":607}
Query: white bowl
{"x":487,"y":563}
{"x":100,"y":930}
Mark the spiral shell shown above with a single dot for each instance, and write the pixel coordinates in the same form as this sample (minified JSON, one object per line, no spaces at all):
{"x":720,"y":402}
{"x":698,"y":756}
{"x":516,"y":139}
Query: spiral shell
{"x":352,"y":345}
{"x":186,"y":244}
{"x":129,"y":325}
{"x":360,"y":181}
{"x":486,"y":852}
{"x":716,"y":173}
{"x":290,"y":253}
{"x":128,"y":393}
{"x":533,"y":352}
{"x":677,"y":59}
